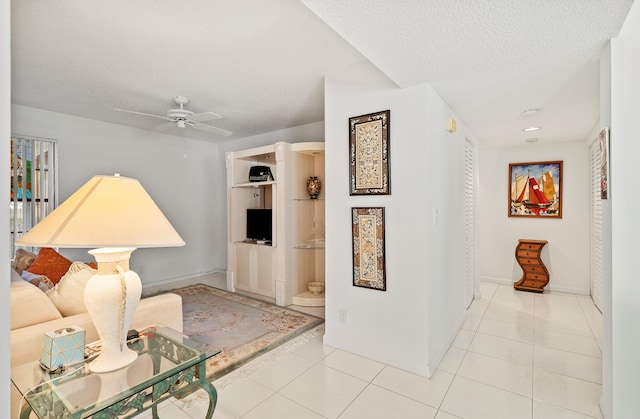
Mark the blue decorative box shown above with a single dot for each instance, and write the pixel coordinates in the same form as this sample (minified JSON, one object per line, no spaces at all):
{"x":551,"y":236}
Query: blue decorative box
{"x":63,"y":347}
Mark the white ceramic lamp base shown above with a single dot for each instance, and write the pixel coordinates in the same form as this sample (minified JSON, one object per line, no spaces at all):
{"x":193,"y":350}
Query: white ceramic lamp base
{"x":111,"y":297}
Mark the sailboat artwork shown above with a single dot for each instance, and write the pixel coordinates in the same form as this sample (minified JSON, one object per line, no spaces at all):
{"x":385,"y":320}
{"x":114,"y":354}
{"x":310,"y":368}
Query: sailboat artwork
{"x":535,"y":189}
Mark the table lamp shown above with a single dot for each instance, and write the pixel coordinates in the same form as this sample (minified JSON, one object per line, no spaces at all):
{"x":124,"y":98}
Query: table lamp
{"x":114,"y":215}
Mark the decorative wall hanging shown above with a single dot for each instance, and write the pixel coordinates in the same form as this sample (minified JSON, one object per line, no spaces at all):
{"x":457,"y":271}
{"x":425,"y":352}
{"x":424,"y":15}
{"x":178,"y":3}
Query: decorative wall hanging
{"x":535,"y":189}
{"x":369,"y":154}
{"x":367,"y":226}
{"x":603,"y":140}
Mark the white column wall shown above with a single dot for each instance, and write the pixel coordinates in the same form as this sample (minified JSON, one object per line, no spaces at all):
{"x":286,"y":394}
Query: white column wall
{"x":411,"y":324}
{"x":625,"y":207}
{"x":5,"y":134}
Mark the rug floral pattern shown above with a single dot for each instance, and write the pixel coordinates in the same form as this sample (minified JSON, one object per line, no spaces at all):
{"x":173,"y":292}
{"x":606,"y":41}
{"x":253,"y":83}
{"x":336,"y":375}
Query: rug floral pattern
{"x":242,"y":327}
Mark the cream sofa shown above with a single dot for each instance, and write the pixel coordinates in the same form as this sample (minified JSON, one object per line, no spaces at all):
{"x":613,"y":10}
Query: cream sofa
{"x":33,"y":314}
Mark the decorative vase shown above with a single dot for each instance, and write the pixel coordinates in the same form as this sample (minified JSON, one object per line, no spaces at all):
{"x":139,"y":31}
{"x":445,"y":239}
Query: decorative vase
{"x":313,"y":187}
{"x":316,"y":287}
{"x":111,"y":297}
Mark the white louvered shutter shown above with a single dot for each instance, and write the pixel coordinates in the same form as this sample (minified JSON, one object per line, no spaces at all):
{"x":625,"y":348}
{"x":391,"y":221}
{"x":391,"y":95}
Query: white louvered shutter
{"x":596,"y":268}
{"x":469,"y":221}
{"x":34,"y":184}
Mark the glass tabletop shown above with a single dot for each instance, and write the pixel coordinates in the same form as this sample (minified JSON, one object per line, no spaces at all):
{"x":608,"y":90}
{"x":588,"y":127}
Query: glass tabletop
{"x":76,"y":390}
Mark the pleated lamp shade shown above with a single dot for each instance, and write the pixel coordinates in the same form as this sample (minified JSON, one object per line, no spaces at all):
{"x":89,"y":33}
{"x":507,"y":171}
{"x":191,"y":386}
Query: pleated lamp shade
{"x":107,"y":211}
{"x":116,"y":215}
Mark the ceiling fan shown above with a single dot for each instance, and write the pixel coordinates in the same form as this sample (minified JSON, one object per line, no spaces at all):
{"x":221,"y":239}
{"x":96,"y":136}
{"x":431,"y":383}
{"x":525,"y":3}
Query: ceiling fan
{"x":181,"y":118}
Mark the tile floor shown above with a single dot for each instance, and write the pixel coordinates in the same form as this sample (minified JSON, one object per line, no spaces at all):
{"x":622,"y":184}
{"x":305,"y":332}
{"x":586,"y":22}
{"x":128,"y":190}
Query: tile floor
{"x":519,"y":356}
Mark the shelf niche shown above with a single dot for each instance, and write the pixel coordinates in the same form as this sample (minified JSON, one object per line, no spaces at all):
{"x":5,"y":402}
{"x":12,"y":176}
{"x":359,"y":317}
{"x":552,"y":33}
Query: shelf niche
{"x":296,"y":255}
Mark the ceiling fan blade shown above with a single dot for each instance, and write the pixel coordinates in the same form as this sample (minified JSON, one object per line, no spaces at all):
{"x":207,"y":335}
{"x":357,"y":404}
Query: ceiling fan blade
{"x":165,"y":127}
{"x":204,"y":116}
{"x":212,"y":129}
{"x":142,"y":113}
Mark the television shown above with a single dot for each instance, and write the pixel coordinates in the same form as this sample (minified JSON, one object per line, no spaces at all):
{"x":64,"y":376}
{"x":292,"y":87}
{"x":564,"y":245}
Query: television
{"x":259,"y":224}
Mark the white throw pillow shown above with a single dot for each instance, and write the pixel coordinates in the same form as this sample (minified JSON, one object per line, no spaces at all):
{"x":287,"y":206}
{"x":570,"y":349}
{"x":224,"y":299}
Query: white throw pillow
{"x":29,"y":305}
{"x":68,"y":294}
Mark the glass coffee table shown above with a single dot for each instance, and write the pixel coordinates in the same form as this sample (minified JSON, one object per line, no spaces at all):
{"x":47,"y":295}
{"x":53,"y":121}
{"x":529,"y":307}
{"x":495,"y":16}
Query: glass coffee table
{"x":168,"y":363}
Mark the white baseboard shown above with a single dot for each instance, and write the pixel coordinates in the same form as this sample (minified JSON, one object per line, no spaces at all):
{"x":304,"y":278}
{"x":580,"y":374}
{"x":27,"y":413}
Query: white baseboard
{"x":395,"y":361}
{"x":496,"y":280}
{"x":437,"y":358}
{"x":550,"y":287}
{"x":215,"y":278}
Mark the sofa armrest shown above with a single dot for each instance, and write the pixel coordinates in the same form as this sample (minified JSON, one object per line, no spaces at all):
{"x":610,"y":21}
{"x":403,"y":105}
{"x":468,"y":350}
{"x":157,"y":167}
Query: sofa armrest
{"x":164,"y":310}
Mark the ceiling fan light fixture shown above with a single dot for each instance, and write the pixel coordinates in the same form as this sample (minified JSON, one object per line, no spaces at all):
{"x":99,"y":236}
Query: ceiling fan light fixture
{"x":530,"y":112}
{"x":181,"y":117}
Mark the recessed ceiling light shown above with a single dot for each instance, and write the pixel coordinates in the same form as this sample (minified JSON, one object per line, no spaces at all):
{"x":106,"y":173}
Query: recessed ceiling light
{"x":531,"y":129}
{"x":531,"y":112}
{"x":531,"y":140}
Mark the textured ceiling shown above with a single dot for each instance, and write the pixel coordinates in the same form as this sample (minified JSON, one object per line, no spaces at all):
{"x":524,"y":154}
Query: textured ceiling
{"x":491,"y":60}
{"x":260,"y":64}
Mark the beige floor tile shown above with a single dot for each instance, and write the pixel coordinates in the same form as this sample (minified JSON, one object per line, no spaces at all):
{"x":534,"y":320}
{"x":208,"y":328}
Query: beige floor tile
{"x":378,"y":403}
{"x":508,"y":314}
{"x":313,"y":349}
{"x":487,"y":289}
{"x":502,"y":348}
{"x":279,"y":407}
{"x":567,"y":363}
{"x":452,"y":360}
{"x":357,"y":366}
{"x":429,"y":391}
{"x":463,"y":339}
{"x":522,"y":332}
{"x":578,"y":327}
{"x":444,"y":415}
{"x":167,"y":409}
{"x":239,"y":398}
{"x":506,"y":375}
{"x":570,"y":393}
{"x":585,"y":345}
{"x":470,"y":399}
{"x":324,"y":390}
{"x":546,"y":411}
{"x":282,"y":371}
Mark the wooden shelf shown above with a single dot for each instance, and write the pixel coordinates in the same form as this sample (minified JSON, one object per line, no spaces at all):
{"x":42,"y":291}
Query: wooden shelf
{"x":253,"y":184}
{"x":309,"y":299}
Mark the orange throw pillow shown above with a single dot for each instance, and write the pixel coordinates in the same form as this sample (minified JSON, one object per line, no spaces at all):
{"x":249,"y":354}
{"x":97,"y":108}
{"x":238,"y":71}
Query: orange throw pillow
{"x":50,"y":263}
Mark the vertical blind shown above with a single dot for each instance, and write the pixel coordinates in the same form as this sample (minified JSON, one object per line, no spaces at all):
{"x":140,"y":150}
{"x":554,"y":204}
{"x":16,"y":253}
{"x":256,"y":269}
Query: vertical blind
{"x":34,"y":184}
{"x":469,"y":220}
{"x":596,"y":260}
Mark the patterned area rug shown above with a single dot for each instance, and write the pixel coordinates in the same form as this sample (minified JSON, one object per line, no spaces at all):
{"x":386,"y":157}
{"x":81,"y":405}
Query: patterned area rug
{"x":242,"y":327}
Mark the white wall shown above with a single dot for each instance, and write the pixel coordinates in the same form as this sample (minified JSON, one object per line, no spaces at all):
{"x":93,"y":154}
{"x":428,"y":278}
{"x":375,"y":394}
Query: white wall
{"x":5,"y":133}
{"x":183,"y":188}
{"x":625,"y":207}
{"x":411,"y":324}
{"x":566,"y":256}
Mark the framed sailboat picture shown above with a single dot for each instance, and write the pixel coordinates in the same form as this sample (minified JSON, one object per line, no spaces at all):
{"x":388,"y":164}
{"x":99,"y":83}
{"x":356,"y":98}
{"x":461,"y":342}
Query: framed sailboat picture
{"x":535,"y":189}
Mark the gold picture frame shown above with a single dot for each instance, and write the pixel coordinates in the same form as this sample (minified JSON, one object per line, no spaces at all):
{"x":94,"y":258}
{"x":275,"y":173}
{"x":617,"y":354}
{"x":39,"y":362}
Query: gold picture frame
{"x":368,"y":241}
{"x":369,"y":154}
{"x":535,"y":189}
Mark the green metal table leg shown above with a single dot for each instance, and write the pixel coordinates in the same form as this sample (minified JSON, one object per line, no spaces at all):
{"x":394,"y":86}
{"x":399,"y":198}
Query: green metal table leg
{"x":208,"y":387}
